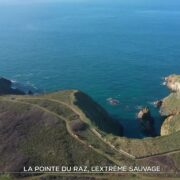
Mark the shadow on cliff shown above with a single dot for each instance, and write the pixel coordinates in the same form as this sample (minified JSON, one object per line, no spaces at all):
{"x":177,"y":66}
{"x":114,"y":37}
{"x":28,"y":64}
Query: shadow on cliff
{"x":98,"y":116}
{"x":147,"y":127}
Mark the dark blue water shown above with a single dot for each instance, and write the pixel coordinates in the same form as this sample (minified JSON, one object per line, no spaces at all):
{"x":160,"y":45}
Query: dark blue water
{"x":119,"y":49}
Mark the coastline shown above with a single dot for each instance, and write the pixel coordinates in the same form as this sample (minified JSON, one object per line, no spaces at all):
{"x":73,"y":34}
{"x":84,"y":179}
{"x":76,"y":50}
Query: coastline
{"x":172,"y":82}
{"x":48,"y":120}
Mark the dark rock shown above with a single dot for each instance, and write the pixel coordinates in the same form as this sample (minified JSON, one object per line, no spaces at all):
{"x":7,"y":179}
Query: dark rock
{"x":30,"y":92}
{"x":113,"y":102}
{"x":4,"y":84}
{"x":6,"y":88}
{"x":146,"y":121}
{"x":158,"y":103}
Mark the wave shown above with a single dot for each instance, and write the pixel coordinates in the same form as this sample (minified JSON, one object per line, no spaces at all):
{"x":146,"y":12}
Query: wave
{"x":26,"y":87}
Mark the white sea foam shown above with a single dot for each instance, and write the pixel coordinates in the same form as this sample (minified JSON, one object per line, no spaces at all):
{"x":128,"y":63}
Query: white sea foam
{"x":25,"y":87}
{"x":13,"y":81}
{"x":152,"y":103}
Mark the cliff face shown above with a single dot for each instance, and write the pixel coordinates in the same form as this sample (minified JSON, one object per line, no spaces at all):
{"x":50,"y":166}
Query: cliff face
{"x":170,"y":125}
{"x":6,"y":87}
{"x":69,"y":128}
{"x":96,"y":114}
{"x":173,"y":82}
{"x":170,"y":107}
{"x":146,"y":122}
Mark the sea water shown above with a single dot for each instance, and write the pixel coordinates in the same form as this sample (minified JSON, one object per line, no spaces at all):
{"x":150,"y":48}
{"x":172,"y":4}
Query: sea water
{"x":117,"y":49}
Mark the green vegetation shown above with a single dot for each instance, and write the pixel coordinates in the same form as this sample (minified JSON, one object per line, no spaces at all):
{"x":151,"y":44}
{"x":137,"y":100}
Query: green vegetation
{"x":171,"y":107}
{"x":69,"y":128}
{"x":171,"y":104}
{"x":6,"y":177}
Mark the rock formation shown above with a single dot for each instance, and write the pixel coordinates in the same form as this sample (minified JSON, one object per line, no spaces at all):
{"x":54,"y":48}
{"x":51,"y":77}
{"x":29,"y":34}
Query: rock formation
{"x":170,"y":107}
{"x":158,"y":103}
{"x":69,"y":128}
{"x":6,"y":87}
{"x":146,"y":121}
{"x":173,"y":82}
{"x":113,"y":102}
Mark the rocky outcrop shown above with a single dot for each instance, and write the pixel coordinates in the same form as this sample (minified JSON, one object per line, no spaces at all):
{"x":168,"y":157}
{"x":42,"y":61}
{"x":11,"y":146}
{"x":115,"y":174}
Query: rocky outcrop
{"x":6,"y":88}
{"x":170,"y":107}
{"x":173,"y":82}
{"x":66,"y":128}
{"x":146,"y":121}
{"x":158,"y":103}
{"x":170,"y":125}
{"x":113,"y":102}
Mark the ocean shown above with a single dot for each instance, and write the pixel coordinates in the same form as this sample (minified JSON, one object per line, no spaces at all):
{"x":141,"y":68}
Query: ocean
{"x":118,"y":49}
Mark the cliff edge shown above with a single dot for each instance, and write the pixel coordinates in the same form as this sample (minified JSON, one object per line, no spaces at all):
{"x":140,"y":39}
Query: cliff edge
{"x":170,"y":107}
{"x":173,"y":82}
{"x":6,"y":87}
{"x":68,"y":128}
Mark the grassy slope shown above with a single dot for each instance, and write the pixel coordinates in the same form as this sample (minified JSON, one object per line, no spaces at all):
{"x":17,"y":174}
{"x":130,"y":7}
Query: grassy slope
{"x":147,"y":146}
{"x":171,"y":107}
{"x":38,"y":137}
{"x":47,"y":136}
{"x":171,"y":104}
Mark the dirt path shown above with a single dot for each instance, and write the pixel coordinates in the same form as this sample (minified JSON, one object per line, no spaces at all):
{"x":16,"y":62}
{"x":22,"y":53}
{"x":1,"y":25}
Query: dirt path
{"x":68,"y":129}
{"x":82,"y":116}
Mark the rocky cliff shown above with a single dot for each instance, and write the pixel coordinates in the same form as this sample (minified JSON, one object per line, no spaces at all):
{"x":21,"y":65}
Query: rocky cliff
{"x":146,"y":122}
{"x":173,"y":82}
{"x":170,"y":107}
{"x":69,"y":128}
{"x":6,"y":87}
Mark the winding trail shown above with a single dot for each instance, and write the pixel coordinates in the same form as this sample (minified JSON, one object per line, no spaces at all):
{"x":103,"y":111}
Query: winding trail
{"x":93,"y":130}
{"x":68,"y":129}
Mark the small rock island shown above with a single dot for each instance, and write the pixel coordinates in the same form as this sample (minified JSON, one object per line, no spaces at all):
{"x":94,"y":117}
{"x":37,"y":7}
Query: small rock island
{"x":146,"y":121}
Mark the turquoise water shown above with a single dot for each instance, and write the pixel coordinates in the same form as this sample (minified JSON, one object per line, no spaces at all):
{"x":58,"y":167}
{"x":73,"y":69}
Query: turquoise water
{"x":119,"y":49}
